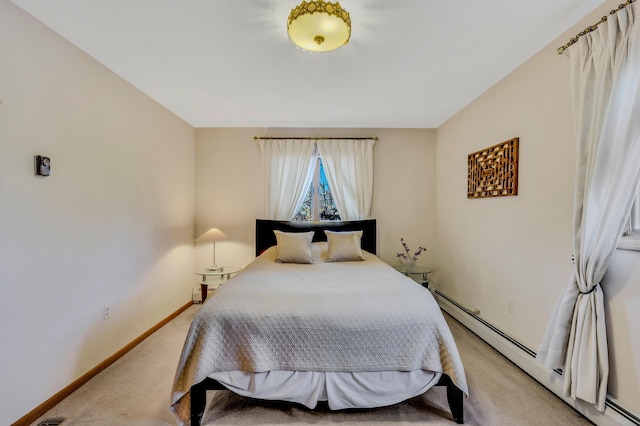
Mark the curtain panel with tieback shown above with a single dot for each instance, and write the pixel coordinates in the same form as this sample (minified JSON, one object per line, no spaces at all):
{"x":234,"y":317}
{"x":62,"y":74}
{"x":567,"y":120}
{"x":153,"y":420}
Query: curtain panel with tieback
{"x":605,"y":73}
{"x":348,"y":165}
{"x":287,"y":166}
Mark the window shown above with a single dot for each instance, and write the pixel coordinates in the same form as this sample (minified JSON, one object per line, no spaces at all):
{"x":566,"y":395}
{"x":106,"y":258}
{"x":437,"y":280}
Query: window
{"x":631,"y":237}
{"x":318,"y":204}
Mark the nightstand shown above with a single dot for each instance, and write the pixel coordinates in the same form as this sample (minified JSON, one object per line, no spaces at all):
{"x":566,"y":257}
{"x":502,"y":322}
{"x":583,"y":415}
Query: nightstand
{"x":419,"y":274}
{"x":222,"y":274}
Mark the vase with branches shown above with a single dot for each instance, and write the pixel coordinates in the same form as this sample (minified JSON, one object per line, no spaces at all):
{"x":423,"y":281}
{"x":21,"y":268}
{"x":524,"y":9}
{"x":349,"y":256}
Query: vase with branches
{"x":407,"y":258}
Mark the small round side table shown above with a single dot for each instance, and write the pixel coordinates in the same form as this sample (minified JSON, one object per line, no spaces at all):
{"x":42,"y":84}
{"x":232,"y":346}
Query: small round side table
{"x":419,"y":274}
{"x":223,"y":273}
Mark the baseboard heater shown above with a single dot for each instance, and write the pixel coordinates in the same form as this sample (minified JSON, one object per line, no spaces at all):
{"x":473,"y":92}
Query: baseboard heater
{"x":524,"y":358}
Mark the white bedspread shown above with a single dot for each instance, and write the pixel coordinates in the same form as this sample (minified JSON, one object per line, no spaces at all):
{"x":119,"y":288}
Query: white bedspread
{"x":338,"y":317}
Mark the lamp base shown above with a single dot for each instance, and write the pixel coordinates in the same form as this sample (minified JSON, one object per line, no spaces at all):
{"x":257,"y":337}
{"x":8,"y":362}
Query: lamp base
{"x":214,"y":268}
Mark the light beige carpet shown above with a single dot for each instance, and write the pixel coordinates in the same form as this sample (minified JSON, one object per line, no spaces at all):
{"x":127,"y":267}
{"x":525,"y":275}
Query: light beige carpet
{"x":135,"y":391}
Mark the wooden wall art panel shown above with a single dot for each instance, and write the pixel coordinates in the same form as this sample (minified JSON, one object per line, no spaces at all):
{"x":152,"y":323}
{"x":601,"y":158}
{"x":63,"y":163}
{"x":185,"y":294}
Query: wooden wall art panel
{"x":493,"y":172}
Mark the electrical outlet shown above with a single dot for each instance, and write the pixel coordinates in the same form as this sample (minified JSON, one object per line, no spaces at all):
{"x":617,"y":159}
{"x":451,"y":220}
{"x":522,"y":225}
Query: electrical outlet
{"x":106,"y":313}
{"x":510,"y":305}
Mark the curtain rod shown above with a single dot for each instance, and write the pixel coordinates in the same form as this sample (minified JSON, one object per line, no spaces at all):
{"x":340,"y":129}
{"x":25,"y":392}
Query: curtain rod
{"x":593,"y":27}
{"x":375,"y":138}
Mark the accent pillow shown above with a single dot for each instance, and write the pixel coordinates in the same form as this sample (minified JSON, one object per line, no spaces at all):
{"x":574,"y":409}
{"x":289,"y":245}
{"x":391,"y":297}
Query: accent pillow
{"x":293,"y":247}
{"x":344,"y":246}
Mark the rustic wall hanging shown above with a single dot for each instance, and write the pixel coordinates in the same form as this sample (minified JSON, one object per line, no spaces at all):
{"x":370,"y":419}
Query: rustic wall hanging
{"x":493,"y":172}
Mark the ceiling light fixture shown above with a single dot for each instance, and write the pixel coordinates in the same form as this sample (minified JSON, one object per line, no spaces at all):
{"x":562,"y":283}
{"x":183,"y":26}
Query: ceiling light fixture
{"x":319,"y":26}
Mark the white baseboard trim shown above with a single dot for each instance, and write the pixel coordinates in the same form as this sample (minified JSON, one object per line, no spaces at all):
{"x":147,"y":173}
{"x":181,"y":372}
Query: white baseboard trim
{"x":524,"y":358}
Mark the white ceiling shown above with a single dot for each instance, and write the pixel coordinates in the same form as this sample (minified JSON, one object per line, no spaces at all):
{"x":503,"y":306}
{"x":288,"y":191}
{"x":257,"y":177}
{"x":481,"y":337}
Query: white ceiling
{"x":229,"y":63}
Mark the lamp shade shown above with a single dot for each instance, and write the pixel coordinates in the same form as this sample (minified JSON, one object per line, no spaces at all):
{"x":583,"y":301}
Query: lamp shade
{"x":213,"y":234}
{"x":319,"y":26}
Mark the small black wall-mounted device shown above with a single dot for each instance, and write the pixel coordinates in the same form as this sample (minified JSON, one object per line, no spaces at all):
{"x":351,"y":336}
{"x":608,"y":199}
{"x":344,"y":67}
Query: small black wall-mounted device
{"x":42,"y":165}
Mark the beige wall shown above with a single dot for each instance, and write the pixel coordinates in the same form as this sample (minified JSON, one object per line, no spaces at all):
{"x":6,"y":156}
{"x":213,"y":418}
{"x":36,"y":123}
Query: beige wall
{"x":520,"y":247}
{"x":230,"y":193}
{"x":112,"y":225}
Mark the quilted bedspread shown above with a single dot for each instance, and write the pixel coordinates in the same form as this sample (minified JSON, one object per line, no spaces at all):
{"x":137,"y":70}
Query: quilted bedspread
{"x":326,"y":316}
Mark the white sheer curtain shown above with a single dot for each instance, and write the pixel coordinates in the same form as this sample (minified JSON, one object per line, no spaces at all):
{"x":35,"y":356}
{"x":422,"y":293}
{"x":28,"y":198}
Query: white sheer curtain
{"x":348,"y":165}
{"x":287,"y":165}
{"x":605,"y":67}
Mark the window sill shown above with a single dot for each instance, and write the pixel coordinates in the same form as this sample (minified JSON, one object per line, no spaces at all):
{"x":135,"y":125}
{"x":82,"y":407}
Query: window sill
{"x":631,"y":242}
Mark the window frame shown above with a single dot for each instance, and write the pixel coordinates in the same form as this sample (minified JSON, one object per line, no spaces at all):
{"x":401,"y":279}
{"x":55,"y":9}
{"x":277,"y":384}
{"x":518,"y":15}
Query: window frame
{"x":315,"y":193}
{"x":630,"y":239}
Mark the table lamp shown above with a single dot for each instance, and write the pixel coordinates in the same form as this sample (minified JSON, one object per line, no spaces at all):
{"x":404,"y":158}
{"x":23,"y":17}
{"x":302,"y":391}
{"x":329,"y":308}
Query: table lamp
{"x":213,"y":234}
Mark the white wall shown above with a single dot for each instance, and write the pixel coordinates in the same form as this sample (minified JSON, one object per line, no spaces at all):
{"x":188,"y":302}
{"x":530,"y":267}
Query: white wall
{"x":112,"y":225}
{"x":489,"y":250}
{"x":230,"y":193}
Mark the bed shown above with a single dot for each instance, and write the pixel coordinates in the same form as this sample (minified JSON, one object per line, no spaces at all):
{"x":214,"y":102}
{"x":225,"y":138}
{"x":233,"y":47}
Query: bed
{"x":315,"y":318}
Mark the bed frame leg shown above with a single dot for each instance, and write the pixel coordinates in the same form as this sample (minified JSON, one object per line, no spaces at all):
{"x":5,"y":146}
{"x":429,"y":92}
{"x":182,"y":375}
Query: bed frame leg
{"x":198,"y":402}
{"x":199,"y":398}
{"x":455,"y":398}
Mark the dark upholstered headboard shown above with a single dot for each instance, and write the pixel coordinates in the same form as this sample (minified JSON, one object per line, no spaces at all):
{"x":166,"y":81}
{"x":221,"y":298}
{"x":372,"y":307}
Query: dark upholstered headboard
{"x":265,"y":237}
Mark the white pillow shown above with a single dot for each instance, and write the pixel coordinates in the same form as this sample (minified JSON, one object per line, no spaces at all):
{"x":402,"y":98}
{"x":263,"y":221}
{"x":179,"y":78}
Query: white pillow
{"x":293,"y":247}
{"x":344,"y":246}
